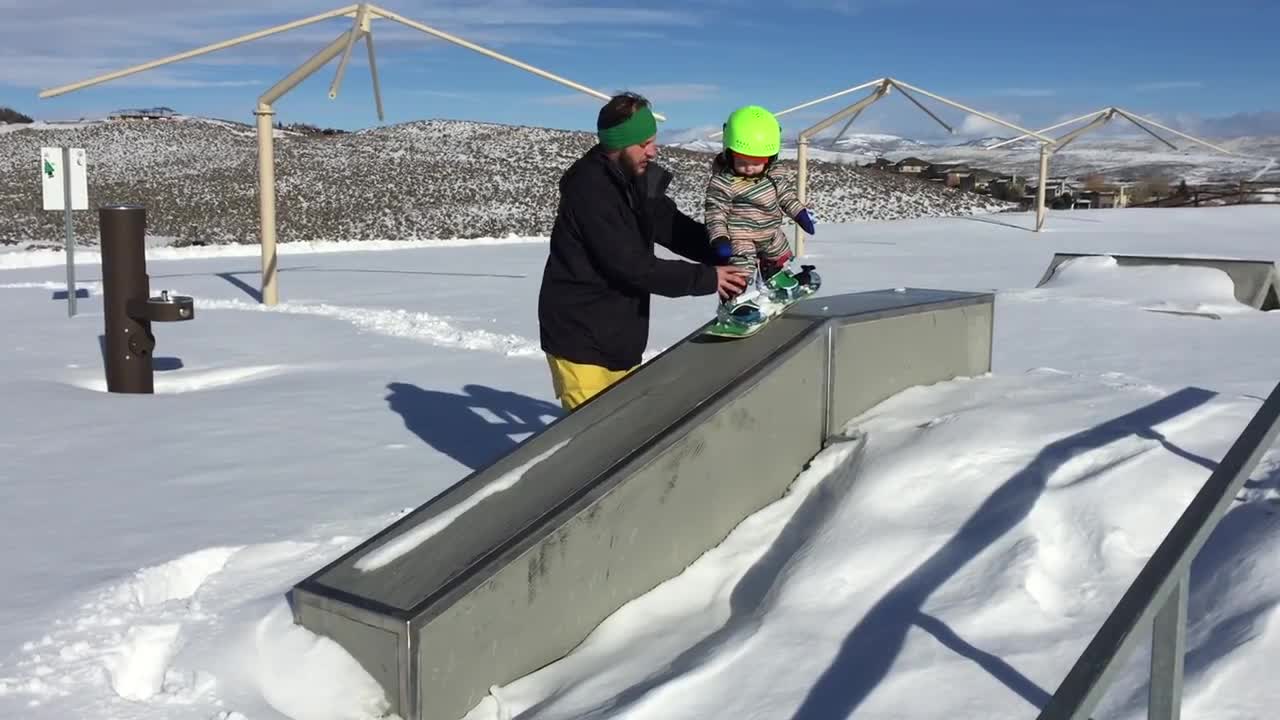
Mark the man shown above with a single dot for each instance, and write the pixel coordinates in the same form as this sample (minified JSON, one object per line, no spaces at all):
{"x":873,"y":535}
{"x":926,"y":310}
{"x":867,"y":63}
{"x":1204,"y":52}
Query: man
{"x":593,"y":308}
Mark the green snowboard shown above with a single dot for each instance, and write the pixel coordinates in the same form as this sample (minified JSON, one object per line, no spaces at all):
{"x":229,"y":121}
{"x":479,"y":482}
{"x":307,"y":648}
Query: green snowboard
{"x":746,"y":318}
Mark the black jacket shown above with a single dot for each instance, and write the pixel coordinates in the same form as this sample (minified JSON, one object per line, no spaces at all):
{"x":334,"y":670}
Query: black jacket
{"x":594,"y":303}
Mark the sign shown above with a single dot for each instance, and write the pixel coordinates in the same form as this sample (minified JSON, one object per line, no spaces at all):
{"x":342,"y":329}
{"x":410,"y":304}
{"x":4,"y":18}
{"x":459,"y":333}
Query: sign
{"x":63,"y":177}
{"x":53,"y":183}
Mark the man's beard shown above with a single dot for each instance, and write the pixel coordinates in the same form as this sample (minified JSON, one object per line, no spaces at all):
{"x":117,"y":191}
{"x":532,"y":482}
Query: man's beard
{"x":629,"y":166}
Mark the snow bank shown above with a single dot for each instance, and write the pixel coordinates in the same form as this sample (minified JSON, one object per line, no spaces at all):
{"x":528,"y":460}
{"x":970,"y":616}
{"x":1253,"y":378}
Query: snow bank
{"x":1167,"y":288}
{"x":983,"y":543}
{"x":395,"y":322}
{"x":308,"y":677}
{"x":207,"y":628}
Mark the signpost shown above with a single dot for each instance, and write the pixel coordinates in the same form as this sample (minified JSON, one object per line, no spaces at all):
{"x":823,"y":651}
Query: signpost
{"x":64,"y":180}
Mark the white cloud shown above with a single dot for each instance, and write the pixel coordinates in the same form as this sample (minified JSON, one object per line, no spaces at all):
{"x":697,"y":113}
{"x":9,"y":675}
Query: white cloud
{"x":976,"y":125}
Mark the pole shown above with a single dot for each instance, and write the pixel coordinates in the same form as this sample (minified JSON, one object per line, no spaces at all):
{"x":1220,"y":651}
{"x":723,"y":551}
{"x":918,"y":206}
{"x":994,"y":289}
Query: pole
{"x":129,"y":341}
{"x":70,"y":230}
{"x":266,"y":160}
{"x":387,"y":14}
{"x":267,"y":202}
{"x":1169,"y":654}
{"x":802,"y":184}
{"x":1044,"y":179}
{"x":198,"y":51}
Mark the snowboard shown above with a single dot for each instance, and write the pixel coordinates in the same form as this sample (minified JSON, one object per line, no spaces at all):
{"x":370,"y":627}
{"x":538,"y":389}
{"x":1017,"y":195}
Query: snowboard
{"x":748,"y":317}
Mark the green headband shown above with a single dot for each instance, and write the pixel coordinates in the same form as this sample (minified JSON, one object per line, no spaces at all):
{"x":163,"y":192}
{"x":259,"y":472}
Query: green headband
{"x":634,"y":130}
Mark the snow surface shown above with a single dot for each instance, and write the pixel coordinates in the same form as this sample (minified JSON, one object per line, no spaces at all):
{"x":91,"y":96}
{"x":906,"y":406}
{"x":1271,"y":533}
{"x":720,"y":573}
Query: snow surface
{"x":957,"y":571}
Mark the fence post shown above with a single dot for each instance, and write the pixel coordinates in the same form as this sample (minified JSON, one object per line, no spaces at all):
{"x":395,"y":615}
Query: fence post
{"x":1168,"y":653}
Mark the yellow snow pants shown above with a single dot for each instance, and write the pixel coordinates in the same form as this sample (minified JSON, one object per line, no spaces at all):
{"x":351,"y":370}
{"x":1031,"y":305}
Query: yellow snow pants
{"x":575,"y":383}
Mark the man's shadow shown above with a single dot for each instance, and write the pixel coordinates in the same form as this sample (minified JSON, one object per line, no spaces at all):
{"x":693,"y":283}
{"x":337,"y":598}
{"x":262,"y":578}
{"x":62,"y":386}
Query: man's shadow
{"x":474,"y":428}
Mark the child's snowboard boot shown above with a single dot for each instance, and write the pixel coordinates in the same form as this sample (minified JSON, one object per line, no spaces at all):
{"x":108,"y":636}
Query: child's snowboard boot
{"x":786,"y":286}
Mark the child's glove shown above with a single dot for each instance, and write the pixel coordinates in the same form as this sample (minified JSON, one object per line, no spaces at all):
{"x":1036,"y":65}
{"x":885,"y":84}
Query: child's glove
{"x":722,"y":250}
{"x":805,"y":221}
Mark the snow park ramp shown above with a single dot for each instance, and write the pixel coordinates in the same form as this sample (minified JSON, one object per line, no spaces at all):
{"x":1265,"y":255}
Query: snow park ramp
{"x":512,"y":567}
{"x":1255,"y":281}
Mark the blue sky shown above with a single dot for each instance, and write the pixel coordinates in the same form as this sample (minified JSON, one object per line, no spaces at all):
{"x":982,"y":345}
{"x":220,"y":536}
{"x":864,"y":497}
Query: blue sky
{"x":1203,"y":67}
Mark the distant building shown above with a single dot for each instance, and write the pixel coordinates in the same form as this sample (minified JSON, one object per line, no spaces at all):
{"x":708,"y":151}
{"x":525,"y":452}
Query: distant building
{"x":1053,"y":187}
{"x":982,"y":179}
{"x":157,"y":113}
{"x":941,"y":171}
{"x":911,"y":165}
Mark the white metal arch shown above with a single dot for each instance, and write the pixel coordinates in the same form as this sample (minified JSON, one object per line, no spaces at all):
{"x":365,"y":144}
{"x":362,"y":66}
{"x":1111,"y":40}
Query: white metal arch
{"x":362,"y":15}
{"x":882,"y":87}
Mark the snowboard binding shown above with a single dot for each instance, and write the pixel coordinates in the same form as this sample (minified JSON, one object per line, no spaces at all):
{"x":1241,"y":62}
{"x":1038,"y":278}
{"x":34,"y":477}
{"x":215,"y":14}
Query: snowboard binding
{"x":745,"y":314}
{"x":786,"y":287}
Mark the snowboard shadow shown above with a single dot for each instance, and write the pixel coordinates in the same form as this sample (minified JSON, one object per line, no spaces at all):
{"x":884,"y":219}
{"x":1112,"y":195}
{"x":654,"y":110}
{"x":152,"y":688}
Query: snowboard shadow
{"x":476,"y":427}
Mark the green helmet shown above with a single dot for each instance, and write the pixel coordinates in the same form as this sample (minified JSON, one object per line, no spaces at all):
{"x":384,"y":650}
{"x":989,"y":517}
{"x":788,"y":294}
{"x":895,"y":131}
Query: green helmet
{"x":752,"y":130}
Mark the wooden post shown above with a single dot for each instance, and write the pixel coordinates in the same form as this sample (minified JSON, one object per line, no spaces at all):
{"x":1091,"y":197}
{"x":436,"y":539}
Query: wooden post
{"x":1044,"y":179}
{"x":802,"y":185}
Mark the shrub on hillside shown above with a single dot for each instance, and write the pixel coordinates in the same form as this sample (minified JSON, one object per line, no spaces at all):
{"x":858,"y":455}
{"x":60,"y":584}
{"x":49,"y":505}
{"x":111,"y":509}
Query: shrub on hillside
{"x":9,"y":115}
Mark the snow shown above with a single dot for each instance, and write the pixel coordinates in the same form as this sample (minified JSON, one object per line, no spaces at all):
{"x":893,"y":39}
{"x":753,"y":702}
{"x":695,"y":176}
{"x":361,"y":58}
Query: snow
{"x":1174,"y":288}
{"x":957,"y":570}
{"x":12,"y":257}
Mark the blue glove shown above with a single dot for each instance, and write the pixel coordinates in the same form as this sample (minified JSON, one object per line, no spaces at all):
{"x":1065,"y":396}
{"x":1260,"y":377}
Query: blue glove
{"x":721,"y":248}
{"x":805,"y":221}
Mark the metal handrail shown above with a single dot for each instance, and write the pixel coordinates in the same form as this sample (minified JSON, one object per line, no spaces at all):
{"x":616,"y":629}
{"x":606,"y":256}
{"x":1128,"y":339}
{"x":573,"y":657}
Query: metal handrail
{"x":1158,"y":596}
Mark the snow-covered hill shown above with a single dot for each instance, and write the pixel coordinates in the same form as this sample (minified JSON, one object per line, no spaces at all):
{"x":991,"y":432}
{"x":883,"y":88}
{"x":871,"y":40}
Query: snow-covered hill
{"x":1117,"y":157}
{"x":427,"y":179}
{"x":875,"y":144}
{"x":1120,"y":158}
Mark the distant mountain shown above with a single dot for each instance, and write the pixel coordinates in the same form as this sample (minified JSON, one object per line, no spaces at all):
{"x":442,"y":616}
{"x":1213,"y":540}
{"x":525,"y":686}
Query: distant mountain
{"x":1123,"y":157}
{"x":874,"y":144}
{"x":868,"y":144}
{"x":988,"y":142}
{"x":428,"y":179}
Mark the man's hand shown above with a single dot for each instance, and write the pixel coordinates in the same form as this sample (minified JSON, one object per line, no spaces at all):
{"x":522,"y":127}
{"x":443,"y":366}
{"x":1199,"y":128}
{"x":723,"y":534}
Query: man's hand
{"x":731,"y":280}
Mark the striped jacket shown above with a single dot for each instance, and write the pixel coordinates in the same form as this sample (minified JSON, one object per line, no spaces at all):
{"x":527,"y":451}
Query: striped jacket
{"x":748,"y":209}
